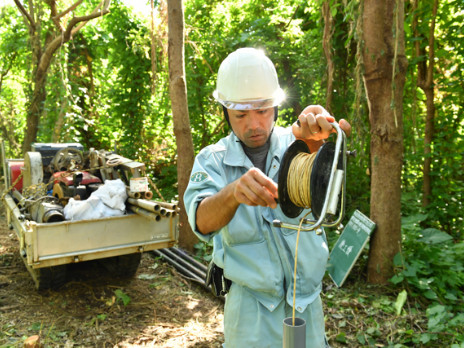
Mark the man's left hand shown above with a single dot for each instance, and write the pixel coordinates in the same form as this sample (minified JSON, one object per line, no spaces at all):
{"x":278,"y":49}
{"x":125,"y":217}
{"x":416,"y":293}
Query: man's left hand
{"x":314,"y":123}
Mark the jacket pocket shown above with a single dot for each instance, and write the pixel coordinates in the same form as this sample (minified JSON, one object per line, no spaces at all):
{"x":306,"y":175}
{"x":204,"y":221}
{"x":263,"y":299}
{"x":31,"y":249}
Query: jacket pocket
{"x":251,"y":265}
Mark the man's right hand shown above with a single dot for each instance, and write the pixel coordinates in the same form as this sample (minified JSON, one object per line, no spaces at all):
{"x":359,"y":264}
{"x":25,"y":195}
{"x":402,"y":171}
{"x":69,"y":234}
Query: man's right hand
{"x":255,"y":188}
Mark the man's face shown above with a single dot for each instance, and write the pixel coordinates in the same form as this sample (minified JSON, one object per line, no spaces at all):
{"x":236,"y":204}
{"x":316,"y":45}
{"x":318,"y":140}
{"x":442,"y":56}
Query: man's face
{"x":252,"y":127}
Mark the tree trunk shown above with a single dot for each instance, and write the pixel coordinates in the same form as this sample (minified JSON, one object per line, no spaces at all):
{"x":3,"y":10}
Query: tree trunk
{"x":152,"y":47}
{"x":327,"y":46}
{"x":56,"y":136}
{"x":385,"y":67}
{"x":178,"y":93}
{"x":34,"y":111}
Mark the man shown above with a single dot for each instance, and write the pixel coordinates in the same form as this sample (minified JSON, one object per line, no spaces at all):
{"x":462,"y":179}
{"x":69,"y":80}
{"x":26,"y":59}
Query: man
{"x":232,"y":197}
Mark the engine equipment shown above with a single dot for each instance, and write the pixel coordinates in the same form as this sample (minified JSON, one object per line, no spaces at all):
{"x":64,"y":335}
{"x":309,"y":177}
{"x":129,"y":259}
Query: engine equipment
{"x":47,"y":212}
{"x":72,"y":184}
{"x":67,"y":159}
{"x":33,"y":169}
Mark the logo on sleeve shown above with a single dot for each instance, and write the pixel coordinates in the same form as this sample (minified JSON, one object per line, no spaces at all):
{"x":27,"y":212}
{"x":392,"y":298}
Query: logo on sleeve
{"x":199,"y":177}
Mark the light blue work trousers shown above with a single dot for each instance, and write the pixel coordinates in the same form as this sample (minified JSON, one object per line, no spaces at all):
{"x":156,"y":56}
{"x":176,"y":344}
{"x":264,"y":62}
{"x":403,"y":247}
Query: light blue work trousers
{"x":247,"y":323}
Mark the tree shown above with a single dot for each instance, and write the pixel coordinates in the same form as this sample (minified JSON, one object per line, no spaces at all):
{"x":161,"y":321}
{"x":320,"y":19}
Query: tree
{"x":384,"y":75}
{"x":180,"y":114}
{"x":58,"y":30}
{"x":327,"y":45}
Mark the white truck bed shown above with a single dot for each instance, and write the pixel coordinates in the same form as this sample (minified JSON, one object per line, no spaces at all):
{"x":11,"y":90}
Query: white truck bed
{"x":52,"y":244}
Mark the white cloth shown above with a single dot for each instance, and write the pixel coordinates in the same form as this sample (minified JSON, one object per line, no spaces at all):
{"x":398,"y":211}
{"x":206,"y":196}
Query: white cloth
{"x":108,"y":200}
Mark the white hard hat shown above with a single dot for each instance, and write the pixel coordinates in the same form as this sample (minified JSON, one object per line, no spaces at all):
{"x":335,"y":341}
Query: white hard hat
{"x":247,"y":80}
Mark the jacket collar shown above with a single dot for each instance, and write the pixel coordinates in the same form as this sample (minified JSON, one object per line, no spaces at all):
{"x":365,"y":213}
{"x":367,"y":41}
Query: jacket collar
{"x":236,"y":157}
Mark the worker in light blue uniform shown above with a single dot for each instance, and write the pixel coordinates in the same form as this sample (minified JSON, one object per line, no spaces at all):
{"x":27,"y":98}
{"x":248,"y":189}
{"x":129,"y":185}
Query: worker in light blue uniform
{"x":232,"y":198}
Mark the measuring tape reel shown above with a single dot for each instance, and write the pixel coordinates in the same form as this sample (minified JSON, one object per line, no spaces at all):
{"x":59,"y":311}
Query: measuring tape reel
{"x":319,"y":184}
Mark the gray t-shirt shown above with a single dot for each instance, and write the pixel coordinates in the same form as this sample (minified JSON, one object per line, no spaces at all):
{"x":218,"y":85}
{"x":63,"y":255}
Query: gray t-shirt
{"x":257,"y":155}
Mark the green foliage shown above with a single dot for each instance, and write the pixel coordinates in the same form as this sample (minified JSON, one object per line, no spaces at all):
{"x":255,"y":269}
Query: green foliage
{"x":138,"y":123}
{"x":363,"y":315}
{"x":100,"y":88}
{"x":122,"y":296}
{"x":444,"y":211}
{"x":289,"y":33}
{"x":13,"y":67}
{"x":448,"y":173}
{"x":431,"y":268}
{"x":102,"y":316}
{"x":99,"y":94}
{"x":99,"y":85}
{"x":203,"y":251}
{"x":400,"y":301}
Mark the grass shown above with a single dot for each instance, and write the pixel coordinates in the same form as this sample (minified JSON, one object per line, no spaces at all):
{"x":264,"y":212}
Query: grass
{"x":363,"y":315}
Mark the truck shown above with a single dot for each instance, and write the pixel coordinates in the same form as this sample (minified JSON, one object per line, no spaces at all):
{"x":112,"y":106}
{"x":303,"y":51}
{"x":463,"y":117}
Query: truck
{"x":37,"y":189}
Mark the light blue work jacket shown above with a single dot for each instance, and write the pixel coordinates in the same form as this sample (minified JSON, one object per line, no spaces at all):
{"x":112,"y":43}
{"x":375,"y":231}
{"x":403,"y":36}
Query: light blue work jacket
{"x":254,"y":253}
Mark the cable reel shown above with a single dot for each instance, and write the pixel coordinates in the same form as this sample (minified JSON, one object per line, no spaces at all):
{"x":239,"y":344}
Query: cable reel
{"x":325,"y":178}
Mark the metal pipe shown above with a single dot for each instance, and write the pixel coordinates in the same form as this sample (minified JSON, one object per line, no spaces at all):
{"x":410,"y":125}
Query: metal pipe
{"x":201,"y":269}
{"x":152,"y":206}
{"x":46,"y":212}
{"x":294,"y":335}
{"x":184,"y":263}
{"x":134,"y":194}
{"x":143,"y":212}
{"x":166,"y":205}
{"x":165,"y":212}
{"x":142,"y":203}
{"x":148,"y":195}
{"x":190,"y":259}
{"x":180,"y":268}
{"x":18,"y":196}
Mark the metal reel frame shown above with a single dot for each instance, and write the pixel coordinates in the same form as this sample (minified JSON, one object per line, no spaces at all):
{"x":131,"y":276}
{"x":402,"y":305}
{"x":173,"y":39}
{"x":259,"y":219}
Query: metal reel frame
{"x":329,"y":159}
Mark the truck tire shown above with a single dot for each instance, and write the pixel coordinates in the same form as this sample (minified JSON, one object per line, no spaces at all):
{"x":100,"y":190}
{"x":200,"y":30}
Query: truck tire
{"x":122,"y":266}
{"x":50,"y":277}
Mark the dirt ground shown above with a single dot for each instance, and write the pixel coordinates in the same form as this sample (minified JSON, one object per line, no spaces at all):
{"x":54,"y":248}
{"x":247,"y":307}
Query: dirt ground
{"x":157,"y":308}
